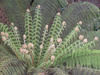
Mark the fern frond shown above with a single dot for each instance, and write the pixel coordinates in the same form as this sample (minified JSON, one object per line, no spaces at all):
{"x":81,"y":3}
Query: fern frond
{"x":92,"y":34}
{"x":9,"y":65}
{"x":54,"y":30}
{"x":24,"y":4}
{"x":48,"y":9}
{"x":86,"y":12}
{"x":75,"y":48}
{"x":37,"y":25}
{"x":15,"y":14}
{"x":36,"y":31}
{"x":63,"y":3}
{"x":28,"y":26}
{"x":12,"y":37}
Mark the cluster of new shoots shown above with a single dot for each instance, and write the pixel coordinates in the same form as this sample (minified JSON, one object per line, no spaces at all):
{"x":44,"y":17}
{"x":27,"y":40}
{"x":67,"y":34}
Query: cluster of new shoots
{"x":52,"y":50}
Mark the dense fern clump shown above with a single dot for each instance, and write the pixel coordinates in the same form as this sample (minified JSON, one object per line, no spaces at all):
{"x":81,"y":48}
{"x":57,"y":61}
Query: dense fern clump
{"x":50,"y":49}
{"x":38,"y":40}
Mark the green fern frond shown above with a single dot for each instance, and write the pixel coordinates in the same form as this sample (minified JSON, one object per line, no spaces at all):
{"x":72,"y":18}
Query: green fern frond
{"x":15,"y":14}
{"x":55,"y":26}
{"x":12,"y":37}
{"x":28,"y":26}
{"x":13,"y":34}
{"x":91,"y":34}
{"x":54,"y":30}
{"x":9,"y":65}
{"x":36,"y":31}
{"x":49,"y":8}
{"x":37,"y":26}
{"x":75,"y":48}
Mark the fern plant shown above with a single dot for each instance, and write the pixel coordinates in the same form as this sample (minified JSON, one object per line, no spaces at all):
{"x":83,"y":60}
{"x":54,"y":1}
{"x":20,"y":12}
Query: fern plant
{"x":86,"y":12}
{"x":50,"y":50}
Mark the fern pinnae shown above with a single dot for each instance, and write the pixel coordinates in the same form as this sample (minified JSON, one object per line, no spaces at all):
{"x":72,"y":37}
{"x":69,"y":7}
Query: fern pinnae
{"x":53,"y":30}
{"x":36,"y":26}
{"x":72,"y":49}
{"x":32,"y":55}
{"x":55,"y":26}
{"x":3,"y":27}
{"x":16,"y":34}
{"x":63,"y":3}
{"x":84,"y":49}
{"x":43,"y":39}
{"x":86,"y":57}
{"x":62,"y":28}
{"x":66,"y":52}
{"x":53,"y":51}
{"x":68,"y":40}
{"x":47,"y":53}
{"x":12,"y":32}
{"x":44,"y":35}
{"x":87,"y":45}
{"x":28,"y":26}
{"x":9,"y":38}
{"x":36,"y":32}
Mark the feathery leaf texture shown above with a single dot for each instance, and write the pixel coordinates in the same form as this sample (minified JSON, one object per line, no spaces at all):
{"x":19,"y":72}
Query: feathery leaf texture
{"x":92,"y":34}
{"x":82,"y":71}
{"x":55,"y":71}
{"x":48,"y":9}
{"x":34,"y":71}
{"x":85,"y":12}
{"x":50,"y":48}
{"x":14,"y":38}
{"x":54,"y":30}
{"x":53,"y":50}
{"x":15,"y":13}
{"x":24,"y":4}
{"x":10,"y":65}
{"x":95,"y":2}
{"x":28,"y":26}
